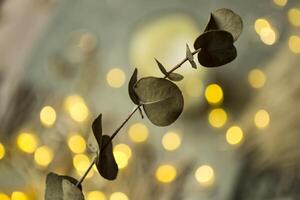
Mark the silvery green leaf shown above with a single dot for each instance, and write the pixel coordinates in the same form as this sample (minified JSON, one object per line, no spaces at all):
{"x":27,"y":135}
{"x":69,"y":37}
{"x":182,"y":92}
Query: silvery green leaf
{"x":227,"y":20}
{"x":70,"y":191}
{"x":175,"y":76}
{"x":162,"y":68}
{"x":190,"y":57}
{"x":163,"y":100}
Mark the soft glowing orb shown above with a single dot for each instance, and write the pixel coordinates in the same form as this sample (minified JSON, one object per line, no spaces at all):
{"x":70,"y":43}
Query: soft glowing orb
{"x":234,"y":135}
{"x":294,"y":16}
{"x":18,"y":196}
{"x":205,"y":175}
{"x":262,"y":119}
{"x":294,"y":44}
{"x":121,"y":159}
{"x":166,"y":173}
{"x":27,"y":142}
{"x":76,"y":143}
{"x":76,"y":107}
{"x":48,"y":116}
{"x":2,"y":151}
{"x":115,"y":78}
{"x":138,"y":132}
{"x":123,"y":148}
{"x":260,"y":24}
{"x":171,"y":141}
{"x":256,"y":78}
{"x":118,"y":196}
{"x":217,"y":117}
{"x":214,"y":94}
{"x":43,"y":156}
{"x":96,"y":195}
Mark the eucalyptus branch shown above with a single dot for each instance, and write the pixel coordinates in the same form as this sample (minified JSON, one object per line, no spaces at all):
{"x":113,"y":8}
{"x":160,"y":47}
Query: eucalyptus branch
{"x":161,"y":98}
{"x":127,"y":119}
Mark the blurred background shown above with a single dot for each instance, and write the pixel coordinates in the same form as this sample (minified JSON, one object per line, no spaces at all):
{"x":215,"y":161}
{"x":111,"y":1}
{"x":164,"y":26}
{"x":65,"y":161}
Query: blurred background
{"x":64,"y":62}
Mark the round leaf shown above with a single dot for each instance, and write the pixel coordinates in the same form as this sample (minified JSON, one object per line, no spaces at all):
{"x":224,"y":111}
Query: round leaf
{"x":162,"y":100}
{"x":216,"y":48}
{"x":225,"y":19}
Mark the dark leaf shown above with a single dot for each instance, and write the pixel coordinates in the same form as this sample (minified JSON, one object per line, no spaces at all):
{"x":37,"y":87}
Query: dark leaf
{"x":131,"y":84}
{"x":55,"y":189}
{"x":162,"y":100}
{"x":97,"y":130}
{"x":175,"y":77}
{"x":162,"y":68}
{"x":106,"y":163}
{"x":227,"y":20}
{"x":190,"y":57}
{"x":216,"y":48}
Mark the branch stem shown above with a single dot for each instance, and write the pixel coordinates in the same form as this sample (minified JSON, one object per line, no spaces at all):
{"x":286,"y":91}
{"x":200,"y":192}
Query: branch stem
{"x":137,"y":107}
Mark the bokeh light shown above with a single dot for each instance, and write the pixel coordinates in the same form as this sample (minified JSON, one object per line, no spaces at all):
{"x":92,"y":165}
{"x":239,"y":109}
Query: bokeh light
{"x":96,"y":195}
{"x":87,"y":42}
{"x":2,"y":151}
{"x":294,"y":44}
{"x":27,"y":142}
{"x":76,"y":107}
{"x":166,"y":173}
{"x":81,"y":163}
{"x":4,"y":196}
{"x":217,"y":117}
{"x":205,"y":175}
{"x":294,"y":16}
{"x":123,"y":148}
{"x":214,"y":94}
{"x":115,"y":78}
{"x":138,"y":132}
{"x":121,"y":159}
{"x":48,"y":116}
{"x":193,"y":87}
{"x":256,"y":78}
{"x":43,"y":156}
{"x":260,"y":24}
{"x":268,"y":35}
{"x":19,"y":196}
{"x":280,"y":3}
{"x":76,"y":143}
{"x":261,"y":119}
{"x":234,"y":135}
{"x":171,"y":141}
{"x":118,"y":196}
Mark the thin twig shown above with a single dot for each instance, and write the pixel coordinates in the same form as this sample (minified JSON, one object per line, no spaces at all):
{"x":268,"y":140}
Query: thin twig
{"x":137,"y":107}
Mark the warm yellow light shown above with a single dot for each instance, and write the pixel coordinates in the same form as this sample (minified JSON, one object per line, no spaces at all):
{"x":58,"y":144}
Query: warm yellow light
{"x":96,"y":195}
{"x":234,"y":135}
{"x":268,"y":35}
{"x":2,"y":151}
{"x":118,"y":196}
{"x":115,"y":78}
{"x":280,"y":2}
{"x":43,"y":156}
{"x":261,"y":24}
{"x":262,"y":119}
{"x":294,"y":16}
{"x":214,"y":94}
{"x":18,"y":196}
{"x":257,"y":78}
{"x":81,"y":163}
{"x":123,"y":148}
{"x":4,"y":197}
{"x":76,"y":143}
{"x":76,"y":107}
{"x":205,"y":175}
{"x":294,"y":44}
{"x":121,"y":159}
{"x":217,"y":117}
{"x":27,"y":142}
{"x":48,"y":116}
{"x":171,"y":141}
{"x":166,"y":173}
{"x":193,"y":87}
{"x":138,"y":132}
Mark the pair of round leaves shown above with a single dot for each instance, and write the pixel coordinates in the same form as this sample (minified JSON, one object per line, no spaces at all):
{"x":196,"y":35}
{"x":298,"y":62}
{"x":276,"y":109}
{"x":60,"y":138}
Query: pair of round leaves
{"x":216,"y":43}
{"x":62,"y":188}
{"x":161,"y":99}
